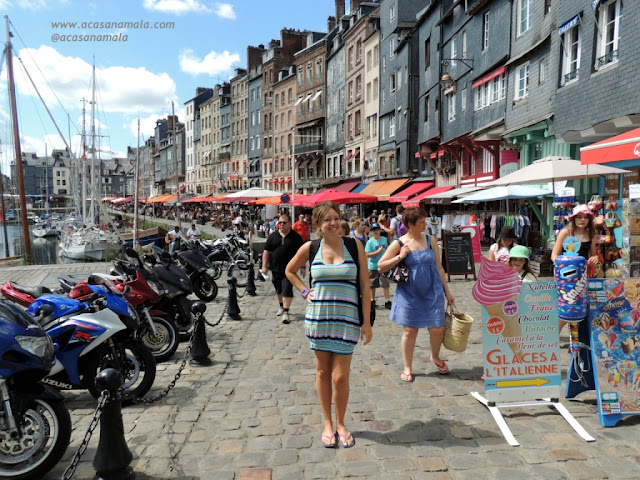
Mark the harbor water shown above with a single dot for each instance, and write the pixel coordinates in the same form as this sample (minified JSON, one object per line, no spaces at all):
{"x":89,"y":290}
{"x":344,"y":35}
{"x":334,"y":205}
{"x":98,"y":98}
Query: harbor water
{"x":44,"y":251}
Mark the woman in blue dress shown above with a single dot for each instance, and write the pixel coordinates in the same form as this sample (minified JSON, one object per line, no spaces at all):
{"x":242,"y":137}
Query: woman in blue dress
{"x":332,"y":322}
{"x":419,"y":303}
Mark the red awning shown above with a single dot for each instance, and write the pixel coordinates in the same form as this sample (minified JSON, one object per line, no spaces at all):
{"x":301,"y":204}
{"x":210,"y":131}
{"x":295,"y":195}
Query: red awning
{"x":621,"y":147}
{"x":489,"y":76}
{"x":349,"y":156}
{"x":410,"y":191}
{"x":415,"y":201}
{"x":346,"y":186}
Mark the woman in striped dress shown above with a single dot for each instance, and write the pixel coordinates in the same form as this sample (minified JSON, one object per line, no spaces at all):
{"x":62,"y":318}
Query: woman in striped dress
{"x":331,"y":321}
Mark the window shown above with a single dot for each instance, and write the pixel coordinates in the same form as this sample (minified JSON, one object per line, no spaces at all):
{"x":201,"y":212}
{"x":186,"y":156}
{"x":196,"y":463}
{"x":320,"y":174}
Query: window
{"x":570,"y":54}
{"x":542,"y":71}
{"x":369,"y":65}
{"x":452,"y":107}
{"x":375,"y":88}
{"x":608,"y":32}
{"x":522,"y":82}
{"x":319,"y":69}
{"x":392,"y":47}
{"x":427,"y":53}
{"x":453,"y":50}
{"x":547,"y":7}
{"x":392,"y":126}
{"x":358,"y":51}
{"x":392,"y":82}
{"x":384,"y":64}
{"x":350,"y":58}
{"x":358,"y":87}
{"x":309,"y":73}
{"x":368,"y":99}
{"x":463,"y":99}
{"x":489,"y":92}
{"x":300,"y":76}
{"x":399,"y":77}
{"x":524,"y":16}
{"x":351,"y":92}
{"x":392,"y":12}
{"x":485,"y":31}
{"x":464,"y":44}
{"x":426,"y":108}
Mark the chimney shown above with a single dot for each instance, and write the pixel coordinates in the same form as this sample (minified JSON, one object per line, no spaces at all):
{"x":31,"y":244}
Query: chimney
{"x":331,"y":24}
{"x":355,"y":6}
{"x":339,"y":9}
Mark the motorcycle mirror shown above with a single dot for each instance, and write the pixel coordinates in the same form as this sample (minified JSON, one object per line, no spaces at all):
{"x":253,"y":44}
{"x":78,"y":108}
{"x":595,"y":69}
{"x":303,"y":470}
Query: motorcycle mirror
{"x":131,"y":252}
{"x":95,"y":280}
{"x":126,"y":289}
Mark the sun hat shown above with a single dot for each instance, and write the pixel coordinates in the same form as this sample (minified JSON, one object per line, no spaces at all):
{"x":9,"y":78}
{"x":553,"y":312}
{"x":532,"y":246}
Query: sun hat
{"x":374,"y":226}
{"x":581,"y":210}
{"x":508,"y":233}
{"x":519,"y":251}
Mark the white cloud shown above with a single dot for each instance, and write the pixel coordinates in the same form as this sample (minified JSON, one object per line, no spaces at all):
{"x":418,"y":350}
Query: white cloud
{"x":125,"y":90}
{"x":32,"y":4}
{"x":5,"y":5}
{"x":212,"y":64}
{"x":147,"y":126}
{"x":177,"y":7}
{"x":225,"y":10}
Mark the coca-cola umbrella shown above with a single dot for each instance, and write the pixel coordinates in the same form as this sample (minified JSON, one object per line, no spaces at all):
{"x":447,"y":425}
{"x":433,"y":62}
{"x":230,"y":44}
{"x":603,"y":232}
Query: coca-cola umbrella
{"x":341,"y":198}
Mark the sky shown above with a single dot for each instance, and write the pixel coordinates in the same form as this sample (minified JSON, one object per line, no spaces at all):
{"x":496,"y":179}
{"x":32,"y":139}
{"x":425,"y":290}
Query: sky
{"x":167,"y":49}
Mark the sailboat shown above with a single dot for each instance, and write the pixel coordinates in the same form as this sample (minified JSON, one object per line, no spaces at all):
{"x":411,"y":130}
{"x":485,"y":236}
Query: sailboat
{"x":44,"y":226}
{"x":89,"y":242}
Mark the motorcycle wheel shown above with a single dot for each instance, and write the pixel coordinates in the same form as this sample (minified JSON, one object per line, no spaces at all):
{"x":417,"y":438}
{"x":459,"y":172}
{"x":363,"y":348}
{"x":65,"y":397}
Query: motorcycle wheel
{"x":217,"y":271}
{"x":205,"y":287}
{"x":45,"y":430}
{"x":165,"y":342}
{"x":138,"y":368}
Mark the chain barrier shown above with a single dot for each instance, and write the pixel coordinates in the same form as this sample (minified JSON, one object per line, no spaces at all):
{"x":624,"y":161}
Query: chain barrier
{"x":165,"y":392}
{"x":224,"y":311}
{"x":71,"y":469}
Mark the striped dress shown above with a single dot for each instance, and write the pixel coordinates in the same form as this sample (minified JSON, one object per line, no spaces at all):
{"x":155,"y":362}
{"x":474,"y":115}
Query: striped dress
{"x":331,"y":322}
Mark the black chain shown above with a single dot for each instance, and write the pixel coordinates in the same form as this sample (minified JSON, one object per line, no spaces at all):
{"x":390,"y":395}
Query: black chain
{"x":165,"y":392}
{"x":71,"y":469}
{"x":224,"y":310}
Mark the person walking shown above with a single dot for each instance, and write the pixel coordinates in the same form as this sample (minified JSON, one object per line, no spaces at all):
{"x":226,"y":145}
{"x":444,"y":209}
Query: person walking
{"x":397,"y":227}
{"x":279,"y":249}
{"x":302,"y":227}
{"x":332,"y":321}
{"x":374,"y":249}
{"x":419,"y":303}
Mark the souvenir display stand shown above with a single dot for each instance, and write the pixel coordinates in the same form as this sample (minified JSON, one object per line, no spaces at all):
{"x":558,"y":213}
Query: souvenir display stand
{"x":520,"y":345}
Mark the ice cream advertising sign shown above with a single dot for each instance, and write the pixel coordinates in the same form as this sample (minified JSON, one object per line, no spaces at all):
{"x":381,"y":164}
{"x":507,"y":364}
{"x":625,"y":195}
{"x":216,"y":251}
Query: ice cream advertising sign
{"x":520,"y":335}
{"x":614,"y":316}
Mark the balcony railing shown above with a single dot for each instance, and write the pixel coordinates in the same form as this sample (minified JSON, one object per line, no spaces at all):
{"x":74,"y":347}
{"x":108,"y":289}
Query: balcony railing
{"x":608,"y":58}
{"x":572,"y":75}
{"x":308,"y":147}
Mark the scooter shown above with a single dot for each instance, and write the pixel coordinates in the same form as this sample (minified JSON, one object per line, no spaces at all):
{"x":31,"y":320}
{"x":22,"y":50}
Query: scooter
{"x":158,"y":331}
{"x":94,"y":335}
{"x":35,"y":426}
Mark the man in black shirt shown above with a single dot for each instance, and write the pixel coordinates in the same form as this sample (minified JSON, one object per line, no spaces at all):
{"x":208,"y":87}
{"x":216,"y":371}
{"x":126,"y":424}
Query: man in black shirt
{"x":280,"y":248}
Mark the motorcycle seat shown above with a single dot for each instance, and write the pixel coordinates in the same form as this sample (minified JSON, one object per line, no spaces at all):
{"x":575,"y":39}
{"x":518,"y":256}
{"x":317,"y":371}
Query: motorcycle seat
{"x":35,"y":291}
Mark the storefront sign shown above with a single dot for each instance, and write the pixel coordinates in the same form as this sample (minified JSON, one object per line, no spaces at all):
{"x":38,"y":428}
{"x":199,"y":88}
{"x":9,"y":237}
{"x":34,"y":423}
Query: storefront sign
{"x":614,"y":316}
{"x":474,"y":230}
{"x":612,"y":186}
{"x":521,"y":345}
{"x":628,"y":179}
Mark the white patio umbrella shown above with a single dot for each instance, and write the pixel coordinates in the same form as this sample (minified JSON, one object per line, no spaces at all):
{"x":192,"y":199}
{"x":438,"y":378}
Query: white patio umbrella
{"x":504,"y":193}
{"x":252,"y":193}
{"x":552,"y":169}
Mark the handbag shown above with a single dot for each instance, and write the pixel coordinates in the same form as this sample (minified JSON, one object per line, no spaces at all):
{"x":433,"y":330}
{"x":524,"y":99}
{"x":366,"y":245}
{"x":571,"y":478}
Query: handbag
{"x":398,"y":273}
{"x":457,"y":327}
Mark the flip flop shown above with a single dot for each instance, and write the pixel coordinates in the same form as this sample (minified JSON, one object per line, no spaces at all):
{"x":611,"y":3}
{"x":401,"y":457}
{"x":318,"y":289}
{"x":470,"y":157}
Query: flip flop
{"x":406,"y":377}
{"x":443,"y":369}
{"x":344,"y":438}
{"x":332,"y":441}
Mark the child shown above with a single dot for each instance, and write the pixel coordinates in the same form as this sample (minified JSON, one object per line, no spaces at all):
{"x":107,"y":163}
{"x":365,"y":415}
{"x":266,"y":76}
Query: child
{"x":374,"y":249}
{"x":580,"y":225}
{"x":519,"y":261}
{"x":359,"y":230}
{"x":499,"y":251}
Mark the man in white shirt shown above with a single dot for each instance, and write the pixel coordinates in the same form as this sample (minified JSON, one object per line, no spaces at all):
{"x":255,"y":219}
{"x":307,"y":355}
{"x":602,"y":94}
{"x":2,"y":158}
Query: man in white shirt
{"x":193,"y":232}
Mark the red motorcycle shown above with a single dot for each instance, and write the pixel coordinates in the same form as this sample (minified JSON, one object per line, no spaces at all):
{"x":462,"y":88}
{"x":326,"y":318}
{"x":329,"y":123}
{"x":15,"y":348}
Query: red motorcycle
{"x":160,"y":333}
{"x":22,"y":294}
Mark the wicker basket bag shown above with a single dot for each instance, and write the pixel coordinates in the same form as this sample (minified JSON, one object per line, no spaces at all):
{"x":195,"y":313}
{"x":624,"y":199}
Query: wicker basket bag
{"x":456,"y":330}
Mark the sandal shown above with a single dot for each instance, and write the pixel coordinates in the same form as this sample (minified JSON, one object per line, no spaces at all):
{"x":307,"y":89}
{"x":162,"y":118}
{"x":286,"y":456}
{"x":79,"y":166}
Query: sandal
{"x":344,"y":438}
{"x":443,"y":369}
{"x":332,"y":441}
{"x":406,"y":377}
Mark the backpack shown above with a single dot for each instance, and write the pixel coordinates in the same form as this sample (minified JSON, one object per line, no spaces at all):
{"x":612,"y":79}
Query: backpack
{"x":352,"y":248}
{"x":400,"y":228}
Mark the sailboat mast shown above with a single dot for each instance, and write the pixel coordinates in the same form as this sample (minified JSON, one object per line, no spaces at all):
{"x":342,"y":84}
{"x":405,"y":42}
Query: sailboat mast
{"x":4,"y":215}
{"x":46,"y":176}
{"x":93,"y":144}
{"x":135,"y":191}
{"x":17,"y":147}
{"x":84,"y":162}
{"x":176,"y":165}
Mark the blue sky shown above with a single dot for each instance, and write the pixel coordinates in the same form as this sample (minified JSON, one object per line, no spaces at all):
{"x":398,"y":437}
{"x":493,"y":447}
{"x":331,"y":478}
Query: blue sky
{"x":136,"y":78}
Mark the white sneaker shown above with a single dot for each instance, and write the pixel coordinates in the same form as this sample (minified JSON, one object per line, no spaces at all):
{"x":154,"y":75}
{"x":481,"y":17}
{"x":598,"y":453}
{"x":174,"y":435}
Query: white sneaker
{"x":286,"y":318}
{"x":280,"y":312}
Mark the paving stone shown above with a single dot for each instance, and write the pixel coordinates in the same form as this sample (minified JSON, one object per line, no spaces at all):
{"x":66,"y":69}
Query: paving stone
{"x":255,"y":474}
{"x":432,"y":464}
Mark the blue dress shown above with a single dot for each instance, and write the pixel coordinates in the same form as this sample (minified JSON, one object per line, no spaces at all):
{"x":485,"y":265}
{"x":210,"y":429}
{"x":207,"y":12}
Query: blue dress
{"x":331,"y":322}
{"x":419,"y":303}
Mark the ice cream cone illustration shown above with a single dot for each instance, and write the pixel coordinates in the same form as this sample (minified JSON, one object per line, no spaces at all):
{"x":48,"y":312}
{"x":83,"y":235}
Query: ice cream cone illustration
{"x":498,"y":288}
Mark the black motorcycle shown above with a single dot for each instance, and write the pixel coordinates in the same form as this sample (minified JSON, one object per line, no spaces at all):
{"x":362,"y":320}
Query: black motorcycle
{"x":196,"y":266}
{"x":35,"y":426}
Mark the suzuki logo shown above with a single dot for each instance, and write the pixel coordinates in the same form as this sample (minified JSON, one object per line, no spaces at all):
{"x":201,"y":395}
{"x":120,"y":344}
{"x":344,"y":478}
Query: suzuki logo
{"x":636,"y":150}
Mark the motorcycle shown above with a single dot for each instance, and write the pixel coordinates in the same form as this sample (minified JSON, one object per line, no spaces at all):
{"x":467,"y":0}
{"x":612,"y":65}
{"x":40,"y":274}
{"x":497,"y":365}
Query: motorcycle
{"x":22,"y":294}
{"x":35,"y":426}
{"x":157,"y":331}
{"x":195,"y":265}
{"x":224,"y":254}
{"x":94,"y":335}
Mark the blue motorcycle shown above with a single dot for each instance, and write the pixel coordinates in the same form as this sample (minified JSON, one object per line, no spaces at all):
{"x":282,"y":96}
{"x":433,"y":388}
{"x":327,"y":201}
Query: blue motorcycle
{"x":93,"y":335}
{"x":35,"y":426}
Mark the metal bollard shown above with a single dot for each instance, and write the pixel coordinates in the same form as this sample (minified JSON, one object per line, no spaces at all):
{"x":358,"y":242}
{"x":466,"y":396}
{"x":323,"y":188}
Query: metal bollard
{"x":233,"y":310}
{"x":113,"y":457}
{"x":251,"y":284}
{"x":199,"y":348}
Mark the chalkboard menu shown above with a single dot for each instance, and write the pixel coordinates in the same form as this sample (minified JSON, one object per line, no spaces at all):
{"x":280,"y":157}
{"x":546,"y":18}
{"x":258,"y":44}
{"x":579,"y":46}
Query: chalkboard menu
{"x":458,"y":254}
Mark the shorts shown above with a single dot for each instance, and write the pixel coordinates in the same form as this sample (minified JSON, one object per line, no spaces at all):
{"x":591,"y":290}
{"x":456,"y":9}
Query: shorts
{"x":282,"y":284}
{"x":376,"y":279}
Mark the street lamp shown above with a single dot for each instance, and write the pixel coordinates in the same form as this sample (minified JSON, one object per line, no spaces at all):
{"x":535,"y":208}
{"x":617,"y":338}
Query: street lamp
{"x":447,"y":80}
